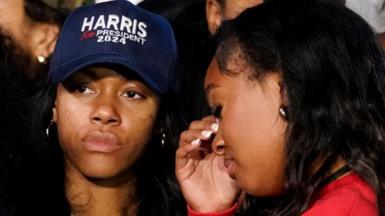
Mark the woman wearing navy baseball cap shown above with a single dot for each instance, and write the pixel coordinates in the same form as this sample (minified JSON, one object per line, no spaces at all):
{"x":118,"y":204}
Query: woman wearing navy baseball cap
{"x":105,"y":117}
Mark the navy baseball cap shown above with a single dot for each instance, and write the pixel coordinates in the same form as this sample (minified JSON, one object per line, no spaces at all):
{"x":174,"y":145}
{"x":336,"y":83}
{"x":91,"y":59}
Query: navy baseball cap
{"x":116,"y":32}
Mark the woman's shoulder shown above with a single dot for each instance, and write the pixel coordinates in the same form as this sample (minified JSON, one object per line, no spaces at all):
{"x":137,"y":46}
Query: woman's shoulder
{"x":349,"y":195}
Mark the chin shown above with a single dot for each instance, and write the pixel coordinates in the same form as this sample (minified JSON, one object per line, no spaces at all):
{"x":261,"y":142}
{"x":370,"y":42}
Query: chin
{"x":103,"y":170}
{"x":253,"y":188}
{"x":100,"y":174}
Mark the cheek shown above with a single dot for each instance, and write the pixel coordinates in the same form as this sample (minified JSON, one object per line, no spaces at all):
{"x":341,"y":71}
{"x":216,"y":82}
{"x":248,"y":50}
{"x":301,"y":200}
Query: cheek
{"x":139,"y":124}
{"x":255,"y":136}
{"x":72,"y":119}
{"x":241,"y":123}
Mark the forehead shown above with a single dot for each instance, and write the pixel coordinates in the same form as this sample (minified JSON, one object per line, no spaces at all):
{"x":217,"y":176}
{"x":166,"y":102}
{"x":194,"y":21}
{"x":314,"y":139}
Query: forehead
{"x":9,"y":7}
{"x":214,"y":78}
{"x":6,"y":4}
{"x":217,"y":73}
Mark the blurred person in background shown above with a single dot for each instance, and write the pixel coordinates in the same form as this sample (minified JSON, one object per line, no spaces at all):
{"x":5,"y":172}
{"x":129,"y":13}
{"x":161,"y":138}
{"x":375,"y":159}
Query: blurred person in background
{"x":220,"y":10}
{"x":33,"y":26}
{"x":28,"y":31}
{"x":373,"y":12}
{"x":14,"y":111}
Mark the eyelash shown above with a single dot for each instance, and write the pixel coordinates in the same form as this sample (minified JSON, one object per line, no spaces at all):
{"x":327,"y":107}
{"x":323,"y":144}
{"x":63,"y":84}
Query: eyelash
{"x":83,"y":88}
{"x":131,"y":94}
{"x":216,"y":111}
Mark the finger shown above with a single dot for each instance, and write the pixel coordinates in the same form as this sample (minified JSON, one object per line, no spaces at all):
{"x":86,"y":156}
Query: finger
{"x":220,"y":168}
{"x":183,"y":153}
{"x":242,"y":196}
{"x":193,"y":136}
{"x":210,"y":118}
{"x":207,"y":123}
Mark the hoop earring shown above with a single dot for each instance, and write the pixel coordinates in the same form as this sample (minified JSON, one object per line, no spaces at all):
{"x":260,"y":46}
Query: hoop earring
{"x":162,"y":137}
{"x":283,"y":112}
{"x":49,"y":126}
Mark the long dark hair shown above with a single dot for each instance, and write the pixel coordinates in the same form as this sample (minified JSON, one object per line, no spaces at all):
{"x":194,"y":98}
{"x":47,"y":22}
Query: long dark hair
{"x":158,"y":193}
{"x":333,"y":76}
{"x":15,"y":88}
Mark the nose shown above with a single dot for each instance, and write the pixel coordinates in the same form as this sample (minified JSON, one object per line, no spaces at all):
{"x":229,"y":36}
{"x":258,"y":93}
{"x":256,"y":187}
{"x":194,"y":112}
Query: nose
{"x":105,"y":111}
{"x":218,"y":144}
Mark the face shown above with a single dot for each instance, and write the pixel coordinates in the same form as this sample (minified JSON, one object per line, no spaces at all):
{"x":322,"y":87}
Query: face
{"x":216,"y":13}
{"x":13,"y":18}
{"x":104,"y":121}
{"x":250,"y":129}
{"x":15,"y":23}
{"x":38,"y":39}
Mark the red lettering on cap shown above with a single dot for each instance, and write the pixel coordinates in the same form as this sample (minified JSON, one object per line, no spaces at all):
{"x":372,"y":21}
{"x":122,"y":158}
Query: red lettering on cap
{"x":87,"y":35}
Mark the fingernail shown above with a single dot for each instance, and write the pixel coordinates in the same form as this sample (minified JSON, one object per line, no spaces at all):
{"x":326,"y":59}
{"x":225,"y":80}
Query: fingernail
{"x":196,"y":142}
{"x":215,"y":127}
{"x":206,"y":133}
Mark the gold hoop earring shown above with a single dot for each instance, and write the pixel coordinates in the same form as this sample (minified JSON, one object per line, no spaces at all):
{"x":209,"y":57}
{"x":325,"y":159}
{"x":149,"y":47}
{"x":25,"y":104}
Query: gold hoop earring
{"x":49,"y":126}
{"x":283,"y":112}
{"x":162,"y":137}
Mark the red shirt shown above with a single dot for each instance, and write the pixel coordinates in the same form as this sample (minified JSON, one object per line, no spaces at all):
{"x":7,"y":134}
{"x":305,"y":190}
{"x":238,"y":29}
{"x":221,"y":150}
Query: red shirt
{"x":347,"y":196}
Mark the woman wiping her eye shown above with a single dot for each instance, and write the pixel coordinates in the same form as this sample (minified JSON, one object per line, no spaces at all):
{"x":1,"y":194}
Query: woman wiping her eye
{"x":297,"y":90}
{"x":106,"y":116}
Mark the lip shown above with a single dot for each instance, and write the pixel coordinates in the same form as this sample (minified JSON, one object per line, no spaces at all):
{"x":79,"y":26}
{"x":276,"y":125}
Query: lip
{"x":230,"y":167}
{"x":103,"y":142}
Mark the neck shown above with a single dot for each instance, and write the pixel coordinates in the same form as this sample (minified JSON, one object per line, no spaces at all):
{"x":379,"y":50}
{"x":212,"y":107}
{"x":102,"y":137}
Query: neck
{"x":336,"y":166}
{"x":86,"y":196}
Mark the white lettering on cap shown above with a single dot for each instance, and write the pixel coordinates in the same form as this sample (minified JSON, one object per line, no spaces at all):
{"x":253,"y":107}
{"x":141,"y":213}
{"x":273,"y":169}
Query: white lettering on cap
{"x":100,"y":23}
{"x":142,"y":29}
{"x":87,"y":23}
{"x":114,"y":28}
{"x":126,"y":23}
{"x":113,"y":20}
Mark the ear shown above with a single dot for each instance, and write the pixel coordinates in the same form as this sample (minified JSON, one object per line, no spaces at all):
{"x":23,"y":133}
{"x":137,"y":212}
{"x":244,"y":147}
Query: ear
{"x":282,"y":90}
{"x":43,"y":39}
{"x":213,"y":15}
{"x":54,"y":113}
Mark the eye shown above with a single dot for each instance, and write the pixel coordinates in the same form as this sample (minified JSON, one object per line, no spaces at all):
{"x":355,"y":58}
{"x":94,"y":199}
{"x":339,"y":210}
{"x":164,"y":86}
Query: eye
{"x":84,"y":89}
{"x":133,"y":94}
{"x":216,"y":111}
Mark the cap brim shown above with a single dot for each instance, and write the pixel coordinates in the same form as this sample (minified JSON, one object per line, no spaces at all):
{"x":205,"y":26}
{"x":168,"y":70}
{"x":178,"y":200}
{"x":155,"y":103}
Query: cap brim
{"x":72,"y":66}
